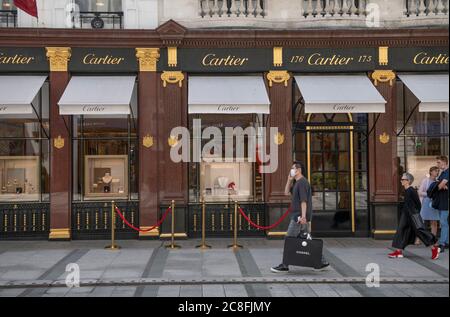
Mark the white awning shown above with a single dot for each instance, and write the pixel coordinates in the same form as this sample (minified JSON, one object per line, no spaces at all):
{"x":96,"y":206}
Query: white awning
{"x":97,"y":95}
{"x":431,"y":90}
{"x":228,"y":95}
{"x":340,"y":94}
{"x":17,"y":93}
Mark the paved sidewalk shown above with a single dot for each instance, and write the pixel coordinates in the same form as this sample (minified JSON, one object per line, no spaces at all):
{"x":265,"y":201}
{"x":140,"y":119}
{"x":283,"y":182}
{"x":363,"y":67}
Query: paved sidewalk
{"x":146,"y":268}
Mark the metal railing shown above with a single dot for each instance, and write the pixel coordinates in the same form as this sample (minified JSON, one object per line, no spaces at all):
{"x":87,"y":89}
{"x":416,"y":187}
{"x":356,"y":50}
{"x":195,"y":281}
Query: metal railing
{"x":8,"y":18}
{"x":101,"y":20}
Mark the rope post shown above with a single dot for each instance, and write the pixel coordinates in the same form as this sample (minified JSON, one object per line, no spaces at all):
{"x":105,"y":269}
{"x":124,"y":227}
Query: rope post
{"x":235,"y":245}
{"x":113,"y":245}
{"x":203,"y":246}
{"x":172,"y":244}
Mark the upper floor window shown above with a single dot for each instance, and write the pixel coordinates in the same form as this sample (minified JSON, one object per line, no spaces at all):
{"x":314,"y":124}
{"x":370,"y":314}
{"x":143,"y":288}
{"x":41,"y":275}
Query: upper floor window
{"x":99,"y":5}
{"x":100,"y":14}
{"x":8,"y":14}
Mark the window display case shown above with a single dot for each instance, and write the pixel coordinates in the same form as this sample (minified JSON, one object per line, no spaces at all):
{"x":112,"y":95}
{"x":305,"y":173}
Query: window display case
{"x":19,"y":178}
{"x":106,"y":176}
{"x":224,"y":181}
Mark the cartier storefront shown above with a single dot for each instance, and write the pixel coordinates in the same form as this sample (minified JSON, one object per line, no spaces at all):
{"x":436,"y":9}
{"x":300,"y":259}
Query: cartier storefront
{"x":85,"y":121}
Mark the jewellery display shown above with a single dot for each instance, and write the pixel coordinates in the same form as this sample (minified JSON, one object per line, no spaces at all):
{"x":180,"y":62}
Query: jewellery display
{"x":19,"y":178}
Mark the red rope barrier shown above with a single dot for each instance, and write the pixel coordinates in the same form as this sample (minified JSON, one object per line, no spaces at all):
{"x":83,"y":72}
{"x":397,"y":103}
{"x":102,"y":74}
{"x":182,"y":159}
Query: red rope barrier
{"x":138,"y":229}
{"x":268,"y":227}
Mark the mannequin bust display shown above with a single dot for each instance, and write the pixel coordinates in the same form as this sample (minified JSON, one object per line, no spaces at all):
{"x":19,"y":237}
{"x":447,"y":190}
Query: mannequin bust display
{"x":107,"y":178}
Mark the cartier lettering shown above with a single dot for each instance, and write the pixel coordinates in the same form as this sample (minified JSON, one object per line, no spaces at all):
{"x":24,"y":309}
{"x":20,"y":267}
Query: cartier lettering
{"x":92,"y":59}
{"x":16,"y":59}
{"x":318,"y":59}
{"x":93,"y":109}
{"x":424,"y":58}
{"x":3,"y":108}
{"x":228,"y":108}
{"x":343,"y":107}
{"x":230,"y":60}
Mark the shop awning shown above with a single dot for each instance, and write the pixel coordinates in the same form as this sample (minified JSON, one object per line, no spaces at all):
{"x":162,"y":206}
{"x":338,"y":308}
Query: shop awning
{"x":228,"y":95}
{"x":430,"y":90}
{"x":340,"y":94}
{"x":97,"y":95}
{"x":18,"y":92}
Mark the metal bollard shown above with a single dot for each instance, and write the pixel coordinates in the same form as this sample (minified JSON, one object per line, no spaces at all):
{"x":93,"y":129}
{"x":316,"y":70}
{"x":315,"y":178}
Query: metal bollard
{"x":172,"y":244}
{"x":235,"y":245}
{"x":203,"y":246}
{"x":113,"y":245}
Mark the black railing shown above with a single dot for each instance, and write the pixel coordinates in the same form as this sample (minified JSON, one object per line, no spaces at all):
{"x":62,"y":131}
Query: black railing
{"x":24,"y":220}
{"x":92,"y":220}
{"x":8,"y":18}
{"x":101,"y":20}
{"x":220,"y":219}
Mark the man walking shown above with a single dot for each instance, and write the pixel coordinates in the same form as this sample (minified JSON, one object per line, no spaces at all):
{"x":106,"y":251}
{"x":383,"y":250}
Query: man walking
{"x":442,"y":163}
{"x":301,"y":215}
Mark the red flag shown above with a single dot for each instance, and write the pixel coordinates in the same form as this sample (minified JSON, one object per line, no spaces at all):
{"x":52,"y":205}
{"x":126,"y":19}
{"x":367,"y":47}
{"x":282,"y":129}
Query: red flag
{"x":29,"y":6}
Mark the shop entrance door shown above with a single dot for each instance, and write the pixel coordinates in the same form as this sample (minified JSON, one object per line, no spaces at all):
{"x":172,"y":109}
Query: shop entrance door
{"x":330,"y":156}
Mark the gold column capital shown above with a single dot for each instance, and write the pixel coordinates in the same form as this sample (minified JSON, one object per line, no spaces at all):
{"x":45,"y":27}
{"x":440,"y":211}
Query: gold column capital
{"x":383,"y":76}
{"x":59,"y":58}
{"x":172,"y":78}
{"x":148,"y":59}
{"x":278,"y":77}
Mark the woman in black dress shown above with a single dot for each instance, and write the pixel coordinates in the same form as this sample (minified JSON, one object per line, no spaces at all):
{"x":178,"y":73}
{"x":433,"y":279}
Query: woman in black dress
{"x":410,"y":225}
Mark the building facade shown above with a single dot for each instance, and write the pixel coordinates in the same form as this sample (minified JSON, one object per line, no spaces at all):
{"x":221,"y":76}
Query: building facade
{"x":87,"y":115}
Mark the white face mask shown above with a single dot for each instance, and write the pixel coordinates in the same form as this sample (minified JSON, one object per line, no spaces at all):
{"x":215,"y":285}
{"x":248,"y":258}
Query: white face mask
{"x":293,"y":172}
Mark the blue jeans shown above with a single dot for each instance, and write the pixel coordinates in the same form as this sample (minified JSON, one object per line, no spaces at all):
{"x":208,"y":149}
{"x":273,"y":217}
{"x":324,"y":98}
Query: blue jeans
{"x":443,"y":215}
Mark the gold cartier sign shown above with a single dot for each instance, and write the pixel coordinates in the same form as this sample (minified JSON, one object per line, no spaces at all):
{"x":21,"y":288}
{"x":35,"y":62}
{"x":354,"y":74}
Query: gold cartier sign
{"x":212,"y":60}
{"x":423,"y":58}
{"x":16,"y":59}
{"x":92,"y":59}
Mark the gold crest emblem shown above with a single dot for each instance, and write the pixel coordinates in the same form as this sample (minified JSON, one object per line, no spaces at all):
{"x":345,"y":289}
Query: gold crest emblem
{"x":279,"y":138}
{"x":59,"y":142}
{"x":172,"y":141}
{"x":384,"y":138}
{"x":147,"y":141}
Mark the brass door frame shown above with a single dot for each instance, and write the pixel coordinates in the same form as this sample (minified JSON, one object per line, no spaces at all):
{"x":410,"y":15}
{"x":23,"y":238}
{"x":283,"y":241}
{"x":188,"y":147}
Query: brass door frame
{"x":350,"y":129}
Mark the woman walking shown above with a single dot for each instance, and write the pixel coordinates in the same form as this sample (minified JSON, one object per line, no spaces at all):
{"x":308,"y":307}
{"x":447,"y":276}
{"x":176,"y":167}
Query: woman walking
{"x":411,"y":225}
{"x":427,"y":212}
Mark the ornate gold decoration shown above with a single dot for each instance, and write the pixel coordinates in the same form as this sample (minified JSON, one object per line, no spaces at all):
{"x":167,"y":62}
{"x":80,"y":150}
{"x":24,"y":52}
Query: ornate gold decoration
{"x":59,"y":234}
{"x":172,"y":141}
{"x":147,"y":141}
{"x":383,"y":76}
{"x":383,"y":55}
{"x":277,"y":56}
{"x":385,"y":138}
{"x":172,"y":56}
{"x":279,"y":138}
{"x":172,"y":78}
{"x":278,"y":77}
{"x":59,"y":58}
{"x":151,"y":233}
{"x":148,"y":59}
{"x":59,"y":142}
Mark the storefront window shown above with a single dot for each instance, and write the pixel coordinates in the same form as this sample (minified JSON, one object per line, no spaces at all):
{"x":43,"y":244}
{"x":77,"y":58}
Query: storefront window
{"x":24,"y":153}
{"x":423,"y":135}
{"x":223,"y":181}
{"x":7,"y":5}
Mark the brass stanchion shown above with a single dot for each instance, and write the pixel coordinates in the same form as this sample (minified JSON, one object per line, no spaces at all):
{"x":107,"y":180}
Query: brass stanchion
{"x":235,"y":246}
{"x":113,"y":245}
{"x":203,"y":246}
{"x":172,"y":244}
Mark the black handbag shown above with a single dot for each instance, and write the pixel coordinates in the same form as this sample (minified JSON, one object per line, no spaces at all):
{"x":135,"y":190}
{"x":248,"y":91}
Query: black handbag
{"x":417,"y":221}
